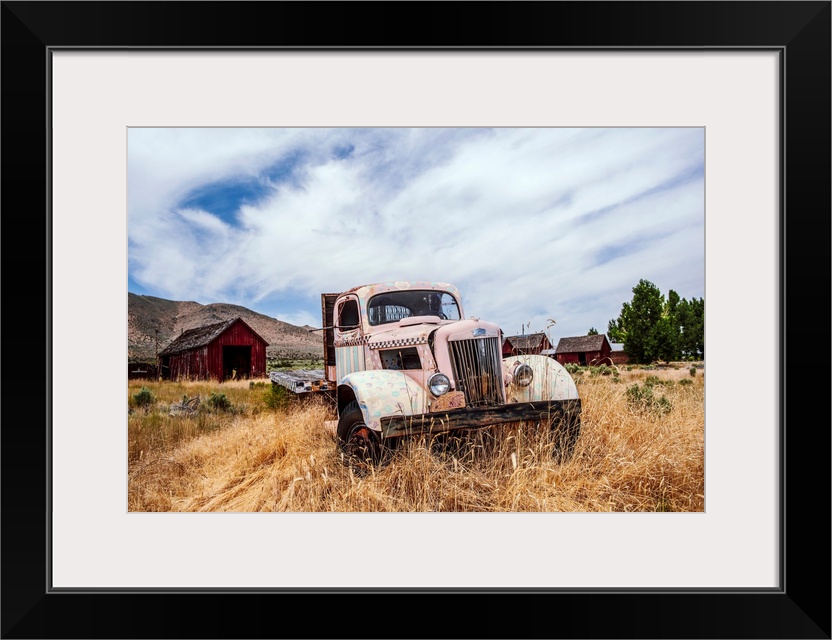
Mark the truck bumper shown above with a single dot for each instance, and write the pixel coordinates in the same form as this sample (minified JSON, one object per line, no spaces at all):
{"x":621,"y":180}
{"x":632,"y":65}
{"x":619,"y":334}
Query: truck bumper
{"x":544,"y":412}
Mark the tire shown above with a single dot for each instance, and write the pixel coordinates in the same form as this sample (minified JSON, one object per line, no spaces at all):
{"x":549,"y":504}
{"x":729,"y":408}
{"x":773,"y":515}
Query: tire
{"x":565,"y":431}
{"x":359,"y":444}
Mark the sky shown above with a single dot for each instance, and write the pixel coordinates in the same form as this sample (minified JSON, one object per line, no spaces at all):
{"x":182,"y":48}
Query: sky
{"x":541,"y":229}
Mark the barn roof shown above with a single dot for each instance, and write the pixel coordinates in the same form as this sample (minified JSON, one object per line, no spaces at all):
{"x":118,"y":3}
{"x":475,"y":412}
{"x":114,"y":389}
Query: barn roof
{"x":582,"y":343}
{"x":201,"y":336}
{"x":528,"y":341}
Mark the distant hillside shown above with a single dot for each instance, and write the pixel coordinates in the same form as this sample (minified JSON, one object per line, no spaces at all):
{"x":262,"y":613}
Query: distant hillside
{"x":146,"y":315}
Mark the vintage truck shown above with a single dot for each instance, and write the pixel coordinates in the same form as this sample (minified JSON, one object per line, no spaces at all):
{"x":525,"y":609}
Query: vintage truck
{"x":401,"y":359}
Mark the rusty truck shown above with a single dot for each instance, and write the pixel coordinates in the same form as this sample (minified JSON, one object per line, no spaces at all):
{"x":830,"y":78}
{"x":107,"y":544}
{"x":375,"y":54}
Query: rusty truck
{"x":402,"y":359}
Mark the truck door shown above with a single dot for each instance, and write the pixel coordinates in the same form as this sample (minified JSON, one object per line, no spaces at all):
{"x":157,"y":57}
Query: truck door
{"x":349,"y":337}
{"x":328,"y":320}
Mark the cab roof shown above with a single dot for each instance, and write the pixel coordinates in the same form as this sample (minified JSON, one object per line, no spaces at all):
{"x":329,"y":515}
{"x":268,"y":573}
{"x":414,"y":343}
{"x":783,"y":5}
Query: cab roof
{"x":367,"y":291}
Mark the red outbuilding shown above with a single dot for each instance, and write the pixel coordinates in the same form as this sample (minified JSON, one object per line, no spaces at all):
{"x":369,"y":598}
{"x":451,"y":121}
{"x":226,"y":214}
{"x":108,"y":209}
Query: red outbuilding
{"x":532,"y":343}
{"x":220,"y":351}
{"x":584,"y":350}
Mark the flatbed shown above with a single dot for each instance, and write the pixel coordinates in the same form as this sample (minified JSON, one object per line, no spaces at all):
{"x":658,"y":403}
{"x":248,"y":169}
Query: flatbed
{"x":301,"y":380}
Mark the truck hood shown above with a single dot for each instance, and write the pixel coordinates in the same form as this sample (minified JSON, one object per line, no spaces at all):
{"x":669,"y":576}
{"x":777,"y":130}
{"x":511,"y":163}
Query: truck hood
{"x":409,"y":331}
{"x":466,"y":329}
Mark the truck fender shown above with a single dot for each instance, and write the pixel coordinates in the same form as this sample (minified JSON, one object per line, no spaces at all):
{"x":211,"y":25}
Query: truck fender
{"x":384,"y":393}
{"x":551,"y":380}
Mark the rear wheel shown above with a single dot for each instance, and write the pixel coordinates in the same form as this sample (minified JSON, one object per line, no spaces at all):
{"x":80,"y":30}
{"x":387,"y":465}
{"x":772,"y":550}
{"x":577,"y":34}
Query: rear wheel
{"x":359,"y":444}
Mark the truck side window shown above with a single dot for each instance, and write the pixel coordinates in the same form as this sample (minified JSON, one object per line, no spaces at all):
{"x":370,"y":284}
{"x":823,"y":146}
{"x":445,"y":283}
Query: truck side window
{"x":349,"y":314}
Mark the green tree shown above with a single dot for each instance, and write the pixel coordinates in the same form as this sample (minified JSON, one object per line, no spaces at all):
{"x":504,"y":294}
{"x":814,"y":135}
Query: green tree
{"x":592,"y":331}
{"x":651,"y":327}
{"x":665,"y":338}
{"x":667,"y":330}
{"x":691,"y":317}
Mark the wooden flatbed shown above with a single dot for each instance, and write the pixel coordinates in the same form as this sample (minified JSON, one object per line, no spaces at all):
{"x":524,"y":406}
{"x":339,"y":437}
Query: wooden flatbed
{"x":302,"y":380}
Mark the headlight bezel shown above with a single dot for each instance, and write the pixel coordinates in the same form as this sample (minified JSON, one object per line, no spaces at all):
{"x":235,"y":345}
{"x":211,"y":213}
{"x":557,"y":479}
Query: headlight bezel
{"x":437,"y":382}
{"x":522,"y":375}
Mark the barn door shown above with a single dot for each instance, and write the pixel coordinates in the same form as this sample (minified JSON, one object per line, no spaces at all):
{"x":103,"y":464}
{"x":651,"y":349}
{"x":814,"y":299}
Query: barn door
{"x":236,"y":362}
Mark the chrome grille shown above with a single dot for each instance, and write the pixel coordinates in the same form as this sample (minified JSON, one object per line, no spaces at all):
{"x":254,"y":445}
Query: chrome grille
{"x":477,"y":370}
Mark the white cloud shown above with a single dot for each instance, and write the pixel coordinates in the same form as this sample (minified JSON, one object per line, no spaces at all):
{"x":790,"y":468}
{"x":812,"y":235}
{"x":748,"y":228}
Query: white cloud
{"x":531,"y":224}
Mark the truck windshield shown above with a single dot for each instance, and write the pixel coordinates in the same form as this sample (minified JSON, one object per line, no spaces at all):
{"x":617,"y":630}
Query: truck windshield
{"x":396,"y":305}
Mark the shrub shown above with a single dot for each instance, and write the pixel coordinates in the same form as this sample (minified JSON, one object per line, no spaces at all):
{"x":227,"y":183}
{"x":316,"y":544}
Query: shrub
{"x":600,"y":370}
{"x":144,"y":397}
{"x":685,"y":382}
{"x":260,"y":384}
{"x":643,"y":398}
{"x":663,"y":405}
{"x":277,"y":397}
{"x":637,"y":395}
{"x":652,"y":381}
{"x":218,"y":401}
{"x":692,"y":371}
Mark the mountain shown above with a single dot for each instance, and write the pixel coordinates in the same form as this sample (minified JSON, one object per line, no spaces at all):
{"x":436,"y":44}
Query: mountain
{"x":150,"y":319}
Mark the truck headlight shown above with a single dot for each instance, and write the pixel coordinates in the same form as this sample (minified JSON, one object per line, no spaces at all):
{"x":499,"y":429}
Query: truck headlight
{"x":439,"y":384}
{"x":523,"y":375}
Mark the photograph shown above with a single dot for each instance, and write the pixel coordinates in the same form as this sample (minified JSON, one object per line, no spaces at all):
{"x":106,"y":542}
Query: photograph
{"x":414,"y":298}
{"x":416,"y":319}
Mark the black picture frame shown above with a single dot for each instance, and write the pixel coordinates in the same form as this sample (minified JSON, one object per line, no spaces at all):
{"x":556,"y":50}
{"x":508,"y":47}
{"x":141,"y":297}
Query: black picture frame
{"x":800,"y":608}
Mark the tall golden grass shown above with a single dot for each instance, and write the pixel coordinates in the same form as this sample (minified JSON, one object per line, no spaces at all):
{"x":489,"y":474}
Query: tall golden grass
{"x":253,"y":458}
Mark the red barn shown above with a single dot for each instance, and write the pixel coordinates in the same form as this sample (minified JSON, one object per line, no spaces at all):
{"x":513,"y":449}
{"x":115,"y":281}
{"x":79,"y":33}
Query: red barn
{"x":532,"y":343}
{"x":584,"y":350}
{"x":221,"y":351}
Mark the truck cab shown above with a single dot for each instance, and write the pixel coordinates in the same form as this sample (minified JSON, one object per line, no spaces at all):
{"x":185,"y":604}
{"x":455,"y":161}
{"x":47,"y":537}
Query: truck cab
{"x":405,"y":360}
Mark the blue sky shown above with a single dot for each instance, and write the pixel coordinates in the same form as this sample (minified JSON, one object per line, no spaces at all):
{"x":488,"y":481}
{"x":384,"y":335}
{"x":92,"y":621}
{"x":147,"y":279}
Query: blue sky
{"x":532,"y":224}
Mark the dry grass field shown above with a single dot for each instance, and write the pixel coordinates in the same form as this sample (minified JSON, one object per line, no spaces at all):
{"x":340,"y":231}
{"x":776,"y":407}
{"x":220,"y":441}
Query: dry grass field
{"x":241,"y":448}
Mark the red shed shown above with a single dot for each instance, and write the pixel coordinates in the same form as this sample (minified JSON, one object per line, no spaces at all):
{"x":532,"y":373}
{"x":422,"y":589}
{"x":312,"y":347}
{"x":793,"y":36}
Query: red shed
{"x":220,"y":351}
{"x":584,"y":350}
{"x":532,"y":343}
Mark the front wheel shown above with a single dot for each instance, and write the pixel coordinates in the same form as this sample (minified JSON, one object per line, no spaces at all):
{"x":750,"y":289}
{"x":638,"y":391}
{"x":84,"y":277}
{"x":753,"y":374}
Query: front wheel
{"x":359,"y":444}
{"x":565,"y":432}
